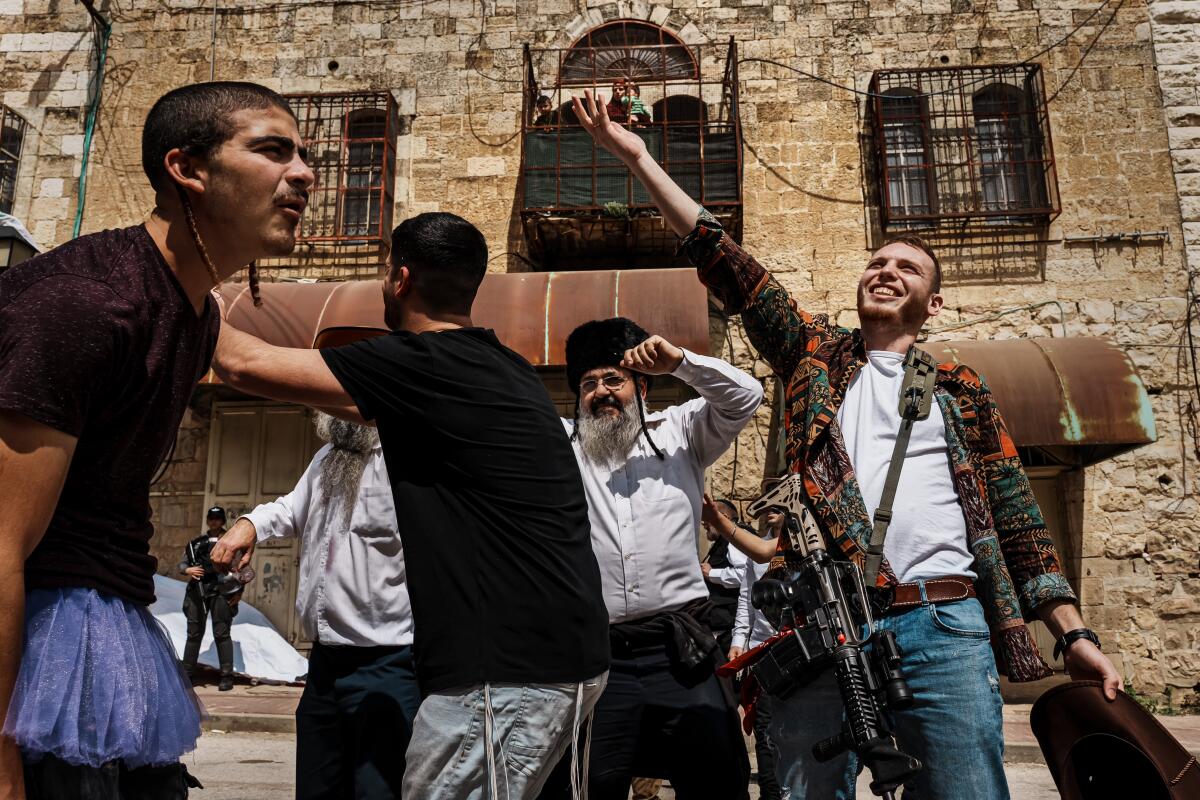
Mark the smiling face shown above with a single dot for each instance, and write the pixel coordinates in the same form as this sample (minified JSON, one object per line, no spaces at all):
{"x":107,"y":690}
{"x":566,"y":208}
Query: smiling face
{"x":598,"y":399}
{"x":898,"y":289}
{"x":257,"y":183}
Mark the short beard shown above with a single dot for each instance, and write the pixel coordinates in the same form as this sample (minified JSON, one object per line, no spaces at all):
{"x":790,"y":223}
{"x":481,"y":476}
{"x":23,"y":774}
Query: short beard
{"x":910,"y":314}
{"x":606,"y":440}
{"x":343,"y":466}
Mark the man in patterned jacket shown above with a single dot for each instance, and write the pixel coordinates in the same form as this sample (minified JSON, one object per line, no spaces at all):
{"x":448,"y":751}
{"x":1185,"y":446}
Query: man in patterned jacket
{"x":967,"y":556}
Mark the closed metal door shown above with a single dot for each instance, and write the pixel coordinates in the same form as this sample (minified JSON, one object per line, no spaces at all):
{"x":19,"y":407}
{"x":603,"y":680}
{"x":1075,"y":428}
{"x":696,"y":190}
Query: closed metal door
{"x":257,"y":452}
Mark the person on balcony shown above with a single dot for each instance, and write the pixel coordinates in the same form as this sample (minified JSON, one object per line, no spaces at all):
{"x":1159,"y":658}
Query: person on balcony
{"x":546,"y":115}
{"x":618,"y":112}
{"x":638,"y":113}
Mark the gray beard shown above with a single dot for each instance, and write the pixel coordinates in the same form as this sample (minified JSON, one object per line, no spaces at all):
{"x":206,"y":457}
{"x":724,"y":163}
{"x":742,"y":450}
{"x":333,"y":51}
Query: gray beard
{"x":605,"y":440}
{"x":343,"y":466}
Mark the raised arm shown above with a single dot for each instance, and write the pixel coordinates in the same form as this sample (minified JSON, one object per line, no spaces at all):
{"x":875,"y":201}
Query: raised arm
{"x":289,"y":374}
{"x":34,"y":459}
{"x":758,"y":549}
{"x":730,"y":395}
{"x":679,"y":210}
{"x":777,"y":329}
{"x":286,"y":517}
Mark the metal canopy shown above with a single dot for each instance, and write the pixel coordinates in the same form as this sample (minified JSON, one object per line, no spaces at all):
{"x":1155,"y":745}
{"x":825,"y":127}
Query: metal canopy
{"x":1080,"y":400}
{"x":531,"y":312}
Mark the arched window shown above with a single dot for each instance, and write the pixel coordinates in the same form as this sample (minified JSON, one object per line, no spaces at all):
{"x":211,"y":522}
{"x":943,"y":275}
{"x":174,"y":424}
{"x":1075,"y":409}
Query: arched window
{"x":680,"y":108}
{"x":363,"y":196}
{"x":910,"y":182}
{"x":628,"y":49}
{"x":1007,"y":147}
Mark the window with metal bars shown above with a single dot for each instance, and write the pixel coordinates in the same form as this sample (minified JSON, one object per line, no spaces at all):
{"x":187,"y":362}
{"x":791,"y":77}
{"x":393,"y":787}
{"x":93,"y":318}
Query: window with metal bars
{"x":12,"y":138}
{"x":351,"y":139}
{"x":968,"y":144}
{"x":580,"y":207}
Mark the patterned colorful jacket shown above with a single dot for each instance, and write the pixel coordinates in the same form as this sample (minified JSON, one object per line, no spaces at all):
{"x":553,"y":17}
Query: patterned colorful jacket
{"x":1015,"y":560}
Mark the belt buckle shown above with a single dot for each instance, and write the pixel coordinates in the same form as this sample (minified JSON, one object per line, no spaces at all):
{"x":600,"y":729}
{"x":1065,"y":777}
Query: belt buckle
{"x":881,"y":599}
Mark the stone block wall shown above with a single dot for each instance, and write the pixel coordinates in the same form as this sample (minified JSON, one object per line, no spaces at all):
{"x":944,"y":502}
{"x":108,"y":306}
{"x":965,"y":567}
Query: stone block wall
{"x":454,"y":67}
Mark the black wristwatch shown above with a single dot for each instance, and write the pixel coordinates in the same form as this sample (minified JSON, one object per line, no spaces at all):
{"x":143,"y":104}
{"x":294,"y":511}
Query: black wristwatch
{"x":1068,"y":638}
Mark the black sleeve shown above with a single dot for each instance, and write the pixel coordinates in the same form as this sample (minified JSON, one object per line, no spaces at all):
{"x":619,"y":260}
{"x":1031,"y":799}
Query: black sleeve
{"x":63,"y":341}
{"x":367,"y":370}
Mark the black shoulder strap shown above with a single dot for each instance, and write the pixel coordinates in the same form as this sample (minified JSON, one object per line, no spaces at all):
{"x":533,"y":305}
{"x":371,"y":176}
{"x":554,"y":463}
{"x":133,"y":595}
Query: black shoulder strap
{"x":916,"y":401}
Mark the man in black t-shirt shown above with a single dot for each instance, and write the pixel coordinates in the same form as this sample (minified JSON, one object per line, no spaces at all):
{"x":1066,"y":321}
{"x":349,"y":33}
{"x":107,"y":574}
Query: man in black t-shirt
{"x":102,"y":342}
{"x":511,"y":632}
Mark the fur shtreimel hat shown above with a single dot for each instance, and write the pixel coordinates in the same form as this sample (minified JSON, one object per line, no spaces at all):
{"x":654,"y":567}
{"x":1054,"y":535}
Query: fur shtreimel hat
{"x":600,"y":343}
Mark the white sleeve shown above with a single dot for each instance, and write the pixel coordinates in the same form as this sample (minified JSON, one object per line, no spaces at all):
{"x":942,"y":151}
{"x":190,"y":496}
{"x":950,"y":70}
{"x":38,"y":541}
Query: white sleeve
{"x":729,"y":577}
{"x":287,"y":516}
{"x":730,"y":398}
{"x":741,"y":620}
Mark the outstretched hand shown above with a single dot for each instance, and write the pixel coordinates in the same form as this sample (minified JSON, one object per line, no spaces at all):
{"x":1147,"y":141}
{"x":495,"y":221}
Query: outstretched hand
{"x":655,"y":356}
{"x":711,"y":516}
{"x":240,"y":539}
{"x":623,"y":143}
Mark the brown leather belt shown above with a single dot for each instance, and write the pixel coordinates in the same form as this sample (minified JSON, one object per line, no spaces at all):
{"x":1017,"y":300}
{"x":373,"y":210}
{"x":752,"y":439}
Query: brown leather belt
{"x":937,"y":590}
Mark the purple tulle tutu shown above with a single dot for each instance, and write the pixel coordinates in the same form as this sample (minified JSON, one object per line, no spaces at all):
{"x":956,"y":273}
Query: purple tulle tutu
{"x":99,"y":682}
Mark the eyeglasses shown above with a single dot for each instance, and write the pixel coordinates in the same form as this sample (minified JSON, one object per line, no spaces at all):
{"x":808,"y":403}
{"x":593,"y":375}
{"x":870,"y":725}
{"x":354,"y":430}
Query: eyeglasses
{"x":611,"y":382}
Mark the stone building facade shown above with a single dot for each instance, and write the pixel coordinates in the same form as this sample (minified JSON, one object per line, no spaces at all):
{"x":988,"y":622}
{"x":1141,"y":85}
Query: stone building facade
{"x":1120,"y":107}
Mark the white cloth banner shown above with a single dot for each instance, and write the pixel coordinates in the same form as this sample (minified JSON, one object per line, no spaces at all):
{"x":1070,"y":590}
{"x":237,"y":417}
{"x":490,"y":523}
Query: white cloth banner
{"x":258,"y":649}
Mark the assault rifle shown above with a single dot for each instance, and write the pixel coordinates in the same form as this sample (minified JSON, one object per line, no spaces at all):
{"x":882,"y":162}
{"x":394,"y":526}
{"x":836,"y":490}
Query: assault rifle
{"x":823,"y":610}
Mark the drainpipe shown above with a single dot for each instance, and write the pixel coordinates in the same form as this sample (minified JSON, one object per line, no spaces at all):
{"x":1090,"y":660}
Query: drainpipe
{"x":105,"y":30}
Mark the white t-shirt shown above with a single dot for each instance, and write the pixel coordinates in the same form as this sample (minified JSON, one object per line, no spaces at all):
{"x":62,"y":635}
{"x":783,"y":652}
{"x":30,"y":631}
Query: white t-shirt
{"x":928,"y":534}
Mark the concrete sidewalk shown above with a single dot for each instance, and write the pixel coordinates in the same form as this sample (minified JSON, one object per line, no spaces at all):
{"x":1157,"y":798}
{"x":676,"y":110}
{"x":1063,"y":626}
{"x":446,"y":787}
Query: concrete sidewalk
{"x":271,"y":709}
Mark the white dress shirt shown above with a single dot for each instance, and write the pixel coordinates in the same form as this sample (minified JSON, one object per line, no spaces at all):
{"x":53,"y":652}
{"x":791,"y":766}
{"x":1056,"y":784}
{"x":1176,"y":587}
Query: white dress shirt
{"x":352,"y":589}
{"x":750,"y":626}
{"x":730,"y":577}
{"x":645,"y":513}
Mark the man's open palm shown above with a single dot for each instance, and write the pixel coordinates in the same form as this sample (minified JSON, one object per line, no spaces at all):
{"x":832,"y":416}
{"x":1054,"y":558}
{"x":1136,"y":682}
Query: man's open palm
{"x":623,"y":143}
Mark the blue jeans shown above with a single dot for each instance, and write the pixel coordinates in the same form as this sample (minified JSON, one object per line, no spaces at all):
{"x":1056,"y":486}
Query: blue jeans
{"x":503,"y":735}
{"x":955,"y":726}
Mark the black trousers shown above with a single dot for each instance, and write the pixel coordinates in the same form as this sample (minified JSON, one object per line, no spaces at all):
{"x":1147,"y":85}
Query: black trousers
{"x":764,"y":750}
{"x":653,"y":722}
{"x":354,"y":722}
{"x":51,"y":778}
{"x":196,"y":608}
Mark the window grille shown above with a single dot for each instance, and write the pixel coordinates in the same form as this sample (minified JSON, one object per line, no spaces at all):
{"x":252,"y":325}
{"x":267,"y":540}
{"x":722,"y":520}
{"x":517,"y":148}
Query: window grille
{"x":581,"y":208}
{"x":12,"y":138}
{"x":970,"y":144}
{"x":351,"y":140}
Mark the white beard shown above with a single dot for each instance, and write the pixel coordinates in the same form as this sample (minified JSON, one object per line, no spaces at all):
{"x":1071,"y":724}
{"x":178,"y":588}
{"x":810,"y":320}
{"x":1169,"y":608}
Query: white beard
{"x":606,"y":441}
{"x":343,"y":466}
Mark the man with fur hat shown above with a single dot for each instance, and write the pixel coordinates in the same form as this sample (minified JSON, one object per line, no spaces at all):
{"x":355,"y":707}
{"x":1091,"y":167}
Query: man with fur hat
{"x":355,"y":717}
{"x":664,"y":710}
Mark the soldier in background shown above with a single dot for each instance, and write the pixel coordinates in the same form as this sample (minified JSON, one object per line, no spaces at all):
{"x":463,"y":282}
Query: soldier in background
{"x":209,"y":593}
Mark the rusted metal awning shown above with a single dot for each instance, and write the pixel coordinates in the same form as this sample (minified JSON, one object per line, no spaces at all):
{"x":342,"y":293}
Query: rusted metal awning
{"x":531,"y":312}
{"x":1078,"y":399}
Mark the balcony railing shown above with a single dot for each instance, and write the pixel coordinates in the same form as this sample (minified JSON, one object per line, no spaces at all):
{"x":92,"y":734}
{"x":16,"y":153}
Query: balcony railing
{"x":351,"y":140}
{"x":581,"y":208}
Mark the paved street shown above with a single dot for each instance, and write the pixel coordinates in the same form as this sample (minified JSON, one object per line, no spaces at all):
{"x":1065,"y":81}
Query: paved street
{"x":260,"y":766}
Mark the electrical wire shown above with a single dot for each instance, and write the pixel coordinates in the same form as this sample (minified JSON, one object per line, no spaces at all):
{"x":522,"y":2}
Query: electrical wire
{"x":101,"y":30}
{"x":1027,"y":60}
